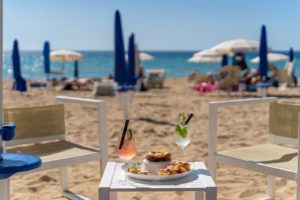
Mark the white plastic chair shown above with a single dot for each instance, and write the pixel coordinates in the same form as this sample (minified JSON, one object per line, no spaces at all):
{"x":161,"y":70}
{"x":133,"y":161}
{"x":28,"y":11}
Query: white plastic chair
{"x":42,"y":129}
{"x":277,"y":158}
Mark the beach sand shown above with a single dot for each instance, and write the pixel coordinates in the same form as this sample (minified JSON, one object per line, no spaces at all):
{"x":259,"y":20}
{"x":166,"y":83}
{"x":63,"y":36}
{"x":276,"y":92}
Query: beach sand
{"x":153,"y":115}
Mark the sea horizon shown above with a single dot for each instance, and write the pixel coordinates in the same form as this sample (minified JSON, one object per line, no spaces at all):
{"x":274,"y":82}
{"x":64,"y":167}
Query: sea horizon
{"x":99,"y":63}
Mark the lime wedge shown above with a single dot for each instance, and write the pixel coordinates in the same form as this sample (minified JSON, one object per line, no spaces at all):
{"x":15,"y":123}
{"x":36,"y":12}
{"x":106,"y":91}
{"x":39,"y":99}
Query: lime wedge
{"x":129,"y":134}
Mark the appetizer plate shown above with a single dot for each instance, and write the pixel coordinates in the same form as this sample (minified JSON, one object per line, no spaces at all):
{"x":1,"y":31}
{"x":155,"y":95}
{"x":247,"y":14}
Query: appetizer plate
{"x":154,"y":177}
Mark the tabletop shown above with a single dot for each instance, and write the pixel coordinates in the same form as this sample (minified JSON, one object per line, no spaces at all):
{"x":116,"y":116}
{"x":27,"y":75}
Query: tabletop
{"x":198,"y":180}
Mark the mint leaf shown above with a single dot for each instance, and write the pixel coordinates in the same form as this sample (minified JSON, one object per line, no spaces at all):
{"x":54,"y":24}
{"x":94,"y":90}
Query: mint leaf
{"x":181,"y":118}
{"x":177,"y":128}
{"x":183,"y":132}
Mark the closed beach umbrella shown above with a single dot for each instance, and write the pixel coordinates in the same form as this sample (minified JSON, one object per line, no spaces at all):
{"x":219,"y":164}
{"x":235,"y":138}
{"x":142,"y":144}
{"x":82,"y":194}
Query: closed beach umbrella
{"x":291,"y":55}
{"x":131,"y":62}
{"x":19,"y":83}
{"x":120,"y":64}
{"x":46,"y":53}
{"x":76,"y":72}
{"x":263,"y":51}
{"x":137,"y":60}
{"x":224,"y":60}
{"x":236,"y":45}
{"x":272,"y":57}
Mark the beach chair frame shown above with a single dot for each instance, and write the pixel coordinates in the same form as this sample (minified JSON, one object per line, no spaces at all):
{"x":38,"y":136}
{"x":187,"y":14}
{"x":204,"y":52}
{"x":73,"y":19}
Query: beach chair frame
{"x":100,"y":154}
{"x":214,"y":157}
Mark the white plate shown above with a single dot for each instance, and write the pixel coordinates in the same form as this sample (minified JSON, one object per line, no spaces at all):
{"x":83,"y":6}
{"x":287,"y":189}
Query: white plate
{"x":152,"y":177}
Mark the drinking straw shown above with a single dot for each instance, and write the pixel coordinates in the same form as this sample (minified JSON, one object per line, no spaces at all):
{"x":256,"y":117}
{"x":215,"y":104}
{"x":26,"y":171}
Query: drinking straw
{"x":189,"y":118}
{"x":124,"y":133}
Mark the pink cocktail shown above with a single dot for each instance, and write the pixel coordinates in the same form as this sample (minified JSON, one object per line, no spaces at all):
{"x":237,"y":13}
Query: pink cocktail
{"x":127,"y":150}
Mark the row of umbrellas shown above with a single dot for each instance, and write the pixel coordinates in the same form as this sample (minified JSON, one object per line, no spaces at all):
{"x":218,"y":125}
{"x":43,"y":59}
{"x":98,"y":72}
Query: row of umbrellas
{"x":61,"y":55}
{"x":220,"y":52}
{"x":58,"y":55}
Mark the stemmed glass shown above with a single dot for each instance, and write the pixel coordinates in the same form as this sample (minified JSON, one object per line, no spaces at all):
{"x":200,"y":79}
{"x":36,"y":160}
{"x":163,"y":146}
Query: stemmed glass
{"x":182,"y":136}
{"x":128,"y":149}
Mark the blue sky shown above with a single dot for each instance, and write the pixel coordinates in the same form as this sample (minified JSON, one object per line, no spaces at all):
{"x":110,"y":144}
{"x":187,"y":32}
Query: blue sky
{"x":157,"y":24}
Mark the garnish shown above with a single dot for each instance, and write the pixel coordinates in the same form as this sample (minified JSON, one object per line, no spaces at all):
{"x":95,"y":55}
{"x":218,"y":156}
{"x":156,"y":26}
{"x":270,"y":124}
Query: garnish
{"x":180,"y":127}
{"x":129,"y":134}
{"x":136,"y":169}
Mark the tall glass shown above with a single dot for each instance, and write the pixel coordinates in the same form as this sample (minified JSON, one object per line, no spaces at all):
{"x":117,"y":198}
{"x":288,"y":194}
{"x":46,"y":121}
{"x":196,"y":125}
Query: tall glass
{"x":182,"y":137}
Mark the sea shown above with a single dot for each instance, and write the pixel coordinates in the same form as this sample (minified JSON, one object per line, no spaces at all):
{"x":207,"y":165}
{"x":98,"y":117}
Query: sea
{"x":101,"y":64}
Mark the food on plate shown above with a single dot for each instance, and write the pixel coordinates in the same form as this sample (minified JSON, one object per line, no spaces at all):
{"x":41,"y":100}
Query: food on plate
{"x":136,"y":169}
{"x":156,"y":160}
{"x":175,"y":168}
{"x":156,"y":156}
{"x":159,"y":163}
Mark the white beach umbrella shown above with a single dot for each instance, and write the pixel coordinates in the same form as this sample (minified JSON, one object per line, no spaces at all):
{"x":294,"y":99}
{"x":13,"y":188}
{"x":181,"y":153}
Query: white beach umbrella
{"x":207,"y":53}
{"x":202,"y":59}
{"x":143,"y":56}
{"x":272,"y":57}
{"x":236,"y":45}
{"x":65,"y":55}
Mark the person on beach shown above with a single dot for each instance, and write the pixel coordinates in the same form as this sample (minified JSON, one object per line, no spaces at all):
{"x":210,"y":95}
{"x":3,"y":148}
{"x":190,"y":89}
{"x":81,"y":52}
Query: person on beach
{"x":141,"y":80}
{"x":274,"y":78}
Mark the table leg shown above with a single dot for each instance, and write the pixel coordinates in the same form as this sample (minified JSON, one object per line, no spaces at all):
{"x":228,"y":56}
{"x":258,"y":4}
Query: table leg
{"x":104,"y":194}
{"x":211,"y":194}
{"x":199,"y":195}
{"x":4,"y":189}
{"x":113,"y":195}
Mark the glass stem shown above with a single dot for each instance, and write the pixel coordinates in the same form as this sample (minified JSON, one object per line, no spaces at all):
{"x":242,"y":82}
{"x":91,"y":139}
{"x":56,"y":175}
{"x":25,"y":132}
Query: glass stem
{"x":182,"y":155}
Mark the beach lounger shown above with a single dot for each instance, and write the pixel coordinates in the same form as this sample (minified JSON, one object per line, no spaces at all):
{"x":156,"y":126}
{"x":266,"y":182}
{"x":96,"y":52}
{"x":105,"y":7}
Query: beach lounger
{"x":155,"y":78}
{"x":40,"y":131}
{"x":277,"y":158}
{"x":104,"y":88}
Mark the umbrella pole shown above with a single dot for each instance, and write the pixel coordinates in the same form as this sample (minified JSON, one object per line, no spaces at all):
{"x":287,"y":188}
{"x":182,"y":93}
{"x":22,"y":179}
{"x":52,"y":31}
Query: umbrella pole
{"x":124,"y":100}
{"x":1,"y":75}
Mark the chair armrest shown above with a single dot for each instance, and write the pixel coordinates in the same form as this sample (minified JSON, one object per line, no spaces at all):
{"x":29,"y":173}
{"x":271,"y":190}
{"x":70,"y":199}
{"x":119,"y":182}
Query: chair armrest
{"x":102,"y":130}
{"x":218,"y":104}
{"x":78,"y":100}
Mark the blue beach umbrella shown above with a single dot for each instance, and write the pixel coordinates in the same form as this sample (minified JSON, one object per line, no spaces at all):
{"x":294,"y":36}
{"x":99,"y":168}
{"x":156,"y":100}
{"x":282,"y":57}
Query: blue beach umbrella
{"x":263,"y":52}
{"x":76,"y":72}
{"x":19,"y":83}
{"x":131,"y":62}
{"x":224,"y":60}
{"x":46,"y":54}
{"x":291,"y":54}
{"x":120,"y":64}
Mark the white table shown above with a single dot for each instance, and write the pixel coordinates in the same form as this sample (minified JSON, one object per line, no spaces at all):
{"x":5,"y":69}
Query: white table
{"x":114,"y":180}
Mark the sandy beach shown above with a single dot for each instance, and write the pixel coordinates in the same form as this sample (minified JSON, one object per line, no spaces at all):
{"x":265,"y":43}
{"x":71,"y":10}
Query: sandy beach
{"x":153,"y":115}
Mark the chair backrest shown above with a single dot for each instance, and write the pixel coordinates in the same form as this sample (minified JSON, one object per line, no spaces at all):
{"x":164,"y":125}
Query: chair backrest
{"x":283,"y":121}
{"x":36,"y":124}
